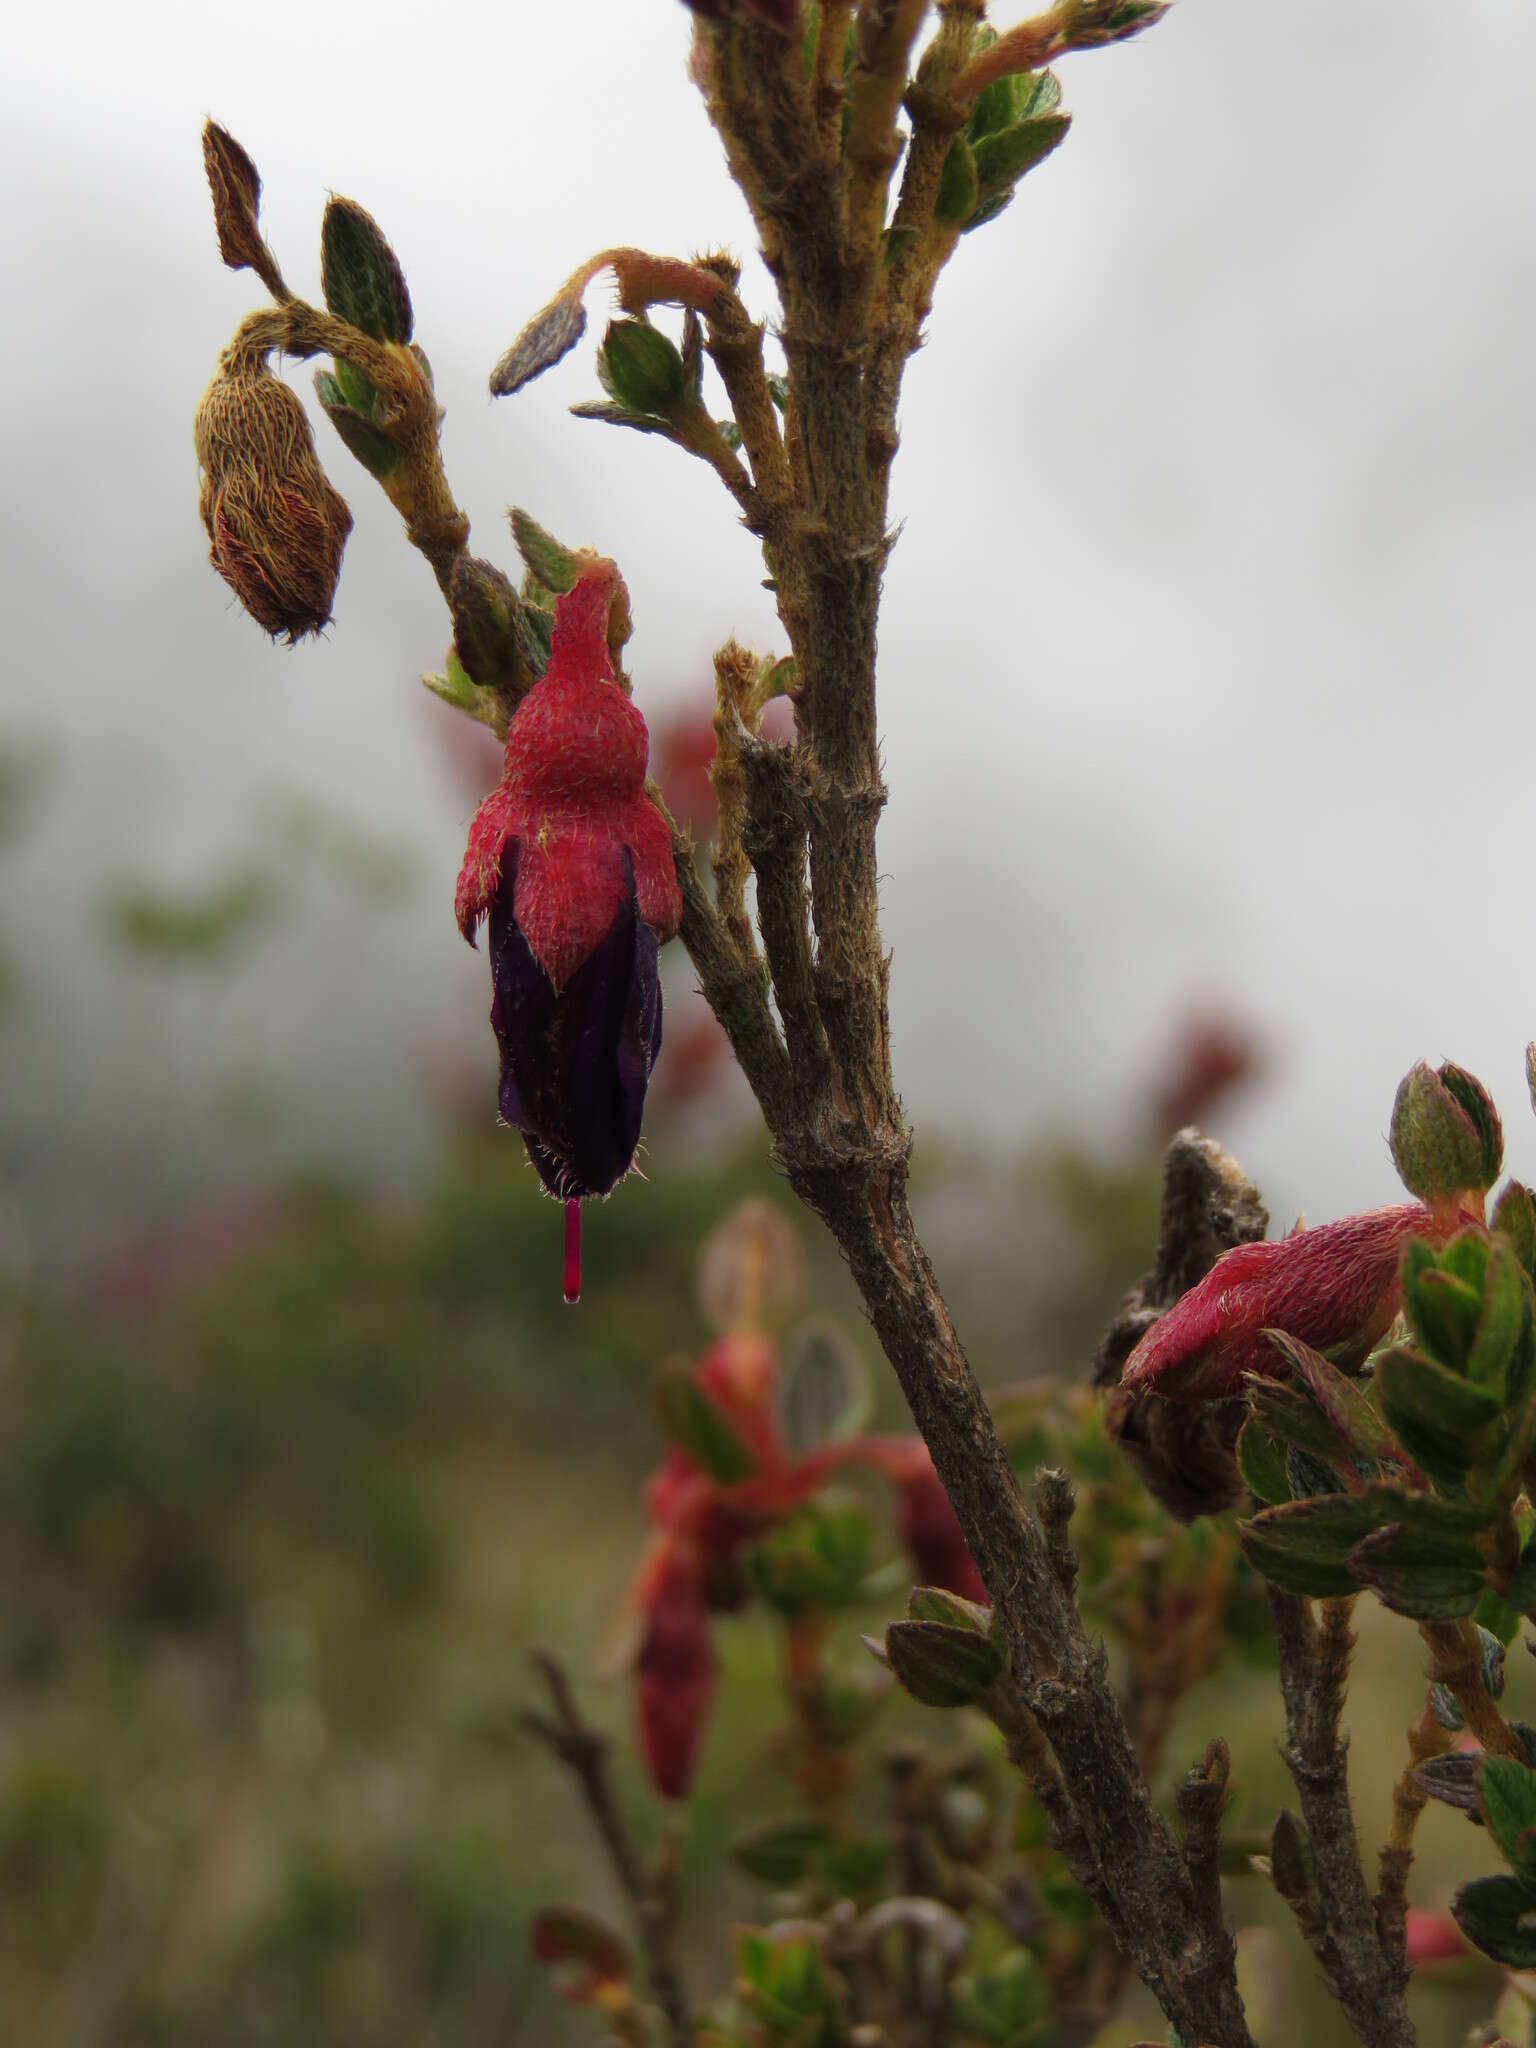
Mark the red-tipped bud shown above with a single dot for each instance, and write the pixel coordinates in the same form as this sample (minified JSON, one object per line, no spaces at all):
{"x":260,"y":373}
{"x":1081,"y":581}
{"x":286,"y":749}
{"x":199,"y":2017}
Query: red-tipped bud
{"x":675,"y":1675}
{"x":276,"y":529}
{"x":1335,"y":1287}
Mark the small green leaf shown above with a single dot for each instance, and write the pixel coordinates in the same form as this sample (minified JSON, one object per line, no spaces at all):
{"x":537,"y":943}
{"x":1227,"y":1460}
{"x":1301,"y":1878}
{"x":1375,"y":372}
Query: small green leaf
{"x":556,"y":567}
{"x":1002,"y":159}
{"x":1514,"y":1217}
{"x":641,"y":368}
{"x":1504,"y":1309}
{"x":1498,"y":1915}
{"x":360,"y":274}
{"x":959,"y":187}
{"x":942,"y":1666}
{"x":1508,"y":1793}
{"x":696,"y":1425}
{"x":1427,"y":1580}
{"x":1290,"y":1414}
{"x":370,"y":444}
{"x":1438,"y":1417}
{"x":937,"y":1603}
{"x":455,"y":687}
{"x":1342,"y":1400}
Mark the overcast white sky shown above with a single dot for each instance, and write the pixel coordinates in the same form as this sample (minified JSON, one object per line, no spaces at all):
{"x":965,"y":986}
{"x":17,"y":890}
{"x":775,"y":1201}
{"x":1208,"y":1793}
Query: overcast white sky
{"x":1206,"y":657}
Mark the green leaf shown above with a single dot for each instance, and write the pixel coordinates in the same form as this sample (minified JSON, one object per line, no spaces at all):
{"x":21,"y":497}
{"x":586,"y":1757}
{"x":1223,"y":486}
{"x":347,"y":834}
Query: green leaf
{"x":1342,"y":1400}
{"x":1439,"y":1418}
{"x":535,"y":633}
{"x":360,"y":274}
{"x":1305,"y":1545}
{"x":1504,"y":1311}
{"x":1514,"y":1217}
{"x":1498,"y":1915}
{"x":937,"y":1603}
{"x":1290,"y":1414}
{"x":552,"y":333}
{"x":942,"y":1666}
{"x":356,"y":390}
{"x":1035,"y":93}
{"x":781,"y":1851}
{"x":642,"y":368}
{"x":959,"y":187}
{"x":1422,"y":1577}
{"x":1522,"y":1592}
{"x":457,"y":688}
{"x":696,"y":1425}
{"x":370,"y":444}
{"x":1507,"y":1790}
{"x":1002,"y":159}
{"x":1442,"y":1307}
{"x":556,"y":567}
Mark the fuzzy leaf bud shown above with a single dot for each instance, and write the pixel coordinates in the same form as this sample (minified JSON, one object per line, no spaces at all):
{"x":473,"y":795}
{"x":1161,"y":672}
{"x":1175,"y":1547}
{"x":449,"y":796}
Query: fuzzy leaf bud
{"x":1446,"y":1135}
{"x":642,"y":368}
{"x":940,"y":1665}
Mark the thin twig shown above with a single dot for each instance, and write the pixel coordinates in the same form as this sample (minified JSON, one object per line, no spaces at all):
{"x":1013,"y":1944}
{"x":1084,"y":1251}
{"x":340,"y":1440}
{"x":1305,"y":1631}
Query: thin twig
{"x":1426,"y":1738}
{"x":1368,"y":1982}
{"x":584,"y":1751}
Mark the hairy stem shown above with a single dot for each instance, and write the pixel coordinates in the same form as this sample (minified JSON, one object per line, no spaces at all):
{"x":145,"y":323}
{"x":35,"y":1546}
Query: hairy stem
{"x":1366,"y":1978}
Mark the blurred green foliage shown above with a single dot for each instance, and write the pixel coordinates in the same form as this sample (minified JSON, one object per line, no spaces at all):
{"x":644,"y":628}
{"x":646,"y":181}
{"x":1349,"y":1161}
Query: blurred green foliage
{"x":276,"y":1537}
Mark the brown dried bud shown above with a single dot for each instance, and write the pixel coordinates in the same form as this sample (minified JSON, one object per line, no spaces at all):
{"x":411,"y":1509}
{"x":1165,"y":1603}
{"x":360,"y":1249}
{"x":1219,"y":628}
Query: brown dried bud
{"x":276,"y":528}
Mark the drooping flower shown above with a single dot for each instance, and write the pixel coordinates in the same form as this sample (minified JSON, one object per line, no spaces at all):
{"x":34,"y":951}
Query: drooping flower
{"x":276,"y":528}
{"x":572,"y":864}
{"x":1335,"y":1287}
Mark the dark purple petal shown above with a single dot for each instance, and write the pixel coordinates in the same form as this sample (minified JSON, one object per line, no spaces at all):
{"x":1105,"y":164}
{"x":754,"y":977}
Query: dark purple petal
{"x":574,"y":1066}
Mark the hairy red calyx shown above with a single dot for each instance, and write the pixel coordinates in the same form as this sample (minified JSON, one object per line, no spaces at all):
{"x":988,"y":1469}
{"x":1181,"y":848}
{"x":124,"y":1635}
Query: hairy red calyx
{"x":1336,"y":1287}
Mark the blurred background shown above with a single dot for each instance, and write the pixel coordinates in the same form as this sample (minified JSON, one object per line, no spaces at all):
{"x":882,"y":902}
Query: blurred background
{"x":1203,"y":678}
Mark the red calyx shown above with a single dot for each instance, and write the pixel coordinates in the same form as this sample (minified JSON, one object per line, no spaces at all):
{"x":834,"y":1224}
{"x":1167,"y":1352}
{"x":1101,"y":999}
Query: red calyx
{"x":572,"y":796}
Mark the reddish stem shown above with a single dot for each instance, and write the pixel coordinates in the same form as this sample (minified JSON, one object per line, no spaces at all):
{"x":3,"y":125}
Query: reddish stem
{"x":572,"y":1253}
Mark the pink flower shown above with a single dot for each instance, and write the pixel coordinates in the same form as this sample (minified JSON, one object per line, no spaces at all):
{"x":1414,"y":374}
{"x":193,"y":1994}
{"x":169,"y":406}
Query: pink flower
{"x":1335,"y":1288}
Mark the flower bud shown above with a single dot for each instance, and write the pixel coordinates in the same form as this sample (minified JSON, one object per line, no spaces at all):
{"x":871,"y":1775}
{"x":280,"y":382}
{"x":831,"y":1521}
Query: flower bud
{"x":276,"y":529}
{"x":675,"y":1675}
{"x":1335,"y":1287}
{"x":1446,"y":1135}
